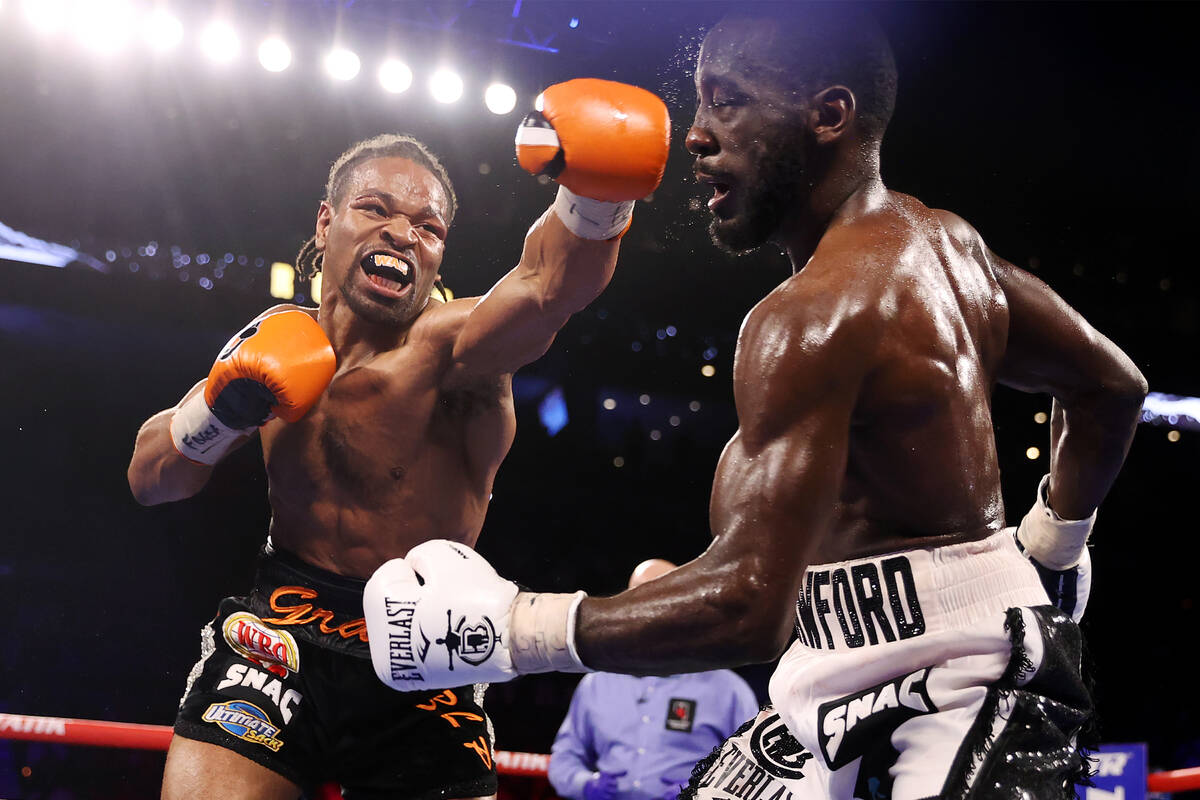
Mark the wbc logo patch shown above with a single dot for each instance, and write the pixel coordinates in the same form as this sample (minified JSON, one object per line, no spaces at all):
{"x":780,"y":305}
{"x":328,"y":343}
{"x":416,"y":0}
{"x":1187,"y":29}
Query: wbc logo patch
{"x":681,"y":714}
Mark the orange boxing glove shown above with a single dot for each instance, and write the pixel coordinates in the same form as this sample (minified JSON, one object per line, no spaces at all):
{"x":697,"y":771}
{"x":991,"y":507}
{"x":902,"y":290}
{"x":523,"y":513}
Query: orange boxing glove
{"x":604,"y":142}
{"x":278,"y":365}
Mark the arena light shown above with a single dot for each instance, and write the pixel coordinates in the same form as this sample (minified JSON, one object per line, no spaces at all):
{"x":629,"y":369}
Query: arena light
{"x":46,"y":16}
{"x":103,"y":26}
{"x":274,"y":54}
{"x":342,"y":64}
{"x":1177,"y":411}
{"x":283,"y":281}
{"x":219,"y":41}
{"x":500,"y":98}
{"x":446,"y":86}
{"x":162,"y":30}
{"x":314,"y":287}
{"x":395,"y":76}
{"x":1032,"y":453}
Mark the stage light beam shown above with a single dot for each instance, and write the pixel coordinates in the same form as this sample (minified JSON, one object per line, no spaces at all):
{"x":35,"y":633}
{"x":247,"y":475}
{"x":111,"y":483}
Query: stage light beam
{"x":446,"y":86}
{"x":500,"y":98}
{"x":395,"y":76}
{"x":274,"y":54}
{"x":46,"y":16}
{"x":219,"y":41}
{"x":162,"y":31}
{"x":342,"y":64}
{"x":103,"y":26}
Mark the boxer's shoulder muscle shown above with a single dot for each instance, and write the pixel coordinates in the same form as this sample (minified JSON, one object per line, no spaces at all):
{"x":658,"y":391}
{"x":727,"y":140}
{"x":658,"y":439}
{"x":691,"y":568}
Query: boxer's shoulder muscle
{"x":821,"y":325}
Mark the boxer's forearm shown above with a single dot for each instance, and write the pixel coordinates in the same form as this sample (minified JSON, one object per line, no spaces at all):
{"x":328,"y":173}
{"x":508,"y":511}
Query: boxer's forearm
{"x":690,"y":620}
{"x":571,"y":271}
{"x":515,"y":323}
{"x":157,"y":473}
{"x":1089,"y":442}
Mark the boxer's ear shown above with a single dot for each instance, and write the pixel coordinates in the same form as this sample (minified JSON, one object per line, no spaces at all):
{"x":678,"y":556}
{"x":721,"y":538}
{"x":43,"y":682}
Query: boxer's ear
{"x":324,"y":218}
{"x":832,"y":114}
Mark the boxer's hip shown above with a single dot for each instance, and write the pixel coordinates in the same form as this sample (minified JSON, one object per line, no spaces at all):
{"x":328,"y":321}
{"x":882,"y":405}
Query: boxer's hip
{"x":314,"y":605}
{"x":911,"y":661}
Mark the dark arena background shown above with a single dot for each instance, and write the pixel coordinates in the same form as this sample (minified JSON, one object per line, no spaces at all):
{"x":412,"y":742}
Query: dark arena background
{"x":148,"y":184}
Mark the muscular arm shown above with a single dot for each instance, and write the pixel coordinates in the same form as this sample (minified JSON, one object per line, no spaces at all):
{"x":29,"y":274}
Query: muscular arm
{"x":774,"y":496}
{"x":157,"y":473}
{"x":514,"y":324}
{"x":1097,"y":390}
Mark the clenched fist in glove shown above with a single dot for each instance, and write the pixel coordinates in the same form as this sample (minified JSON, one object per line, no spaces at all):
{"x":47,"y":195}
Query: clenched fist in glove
{"x":278,"y":365}
{"x":605,"y":143}
{"x":442,"y":617}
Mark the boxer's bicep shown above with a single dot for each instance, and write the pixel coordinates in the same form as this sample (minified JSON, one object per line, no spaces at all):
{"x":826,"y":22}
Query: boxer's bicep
{"x":779,"y":480}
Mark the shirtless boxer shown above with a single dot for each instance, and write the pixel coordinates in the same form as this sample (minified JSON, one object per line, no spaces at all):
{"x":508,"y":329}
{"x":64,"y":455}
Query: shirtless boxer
{"x":383,"y":419}
{"x":860,"y":497}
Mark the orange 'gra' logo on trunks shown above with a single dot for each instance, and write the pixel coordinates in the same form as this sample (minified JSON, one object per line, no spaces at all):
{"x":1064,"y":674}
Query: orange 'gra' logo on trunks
{"x":305,"y":613}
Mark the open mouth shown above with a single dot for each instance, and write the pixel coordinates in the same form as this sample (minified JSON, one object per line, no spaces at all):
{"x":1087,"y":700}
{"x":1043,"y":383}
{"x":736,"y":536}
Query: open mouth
{"x":390,"y":274}
{"x":721,"y":189}
{"x":720,"y":192}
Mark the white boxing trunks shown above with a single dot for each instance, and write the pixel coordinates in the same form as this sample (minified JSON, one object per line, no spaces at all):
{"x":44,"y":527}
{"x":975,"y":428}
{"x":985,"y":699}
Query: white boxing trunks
{"x":939,"y":672}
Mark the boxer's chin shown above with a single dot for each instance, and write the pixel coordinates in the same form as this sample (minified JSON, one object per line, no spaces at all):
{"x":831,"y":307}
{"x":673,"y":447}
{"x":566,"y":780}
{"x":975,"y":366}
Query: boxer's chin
{"x":741,"y":233}
{"x":368,"y":307}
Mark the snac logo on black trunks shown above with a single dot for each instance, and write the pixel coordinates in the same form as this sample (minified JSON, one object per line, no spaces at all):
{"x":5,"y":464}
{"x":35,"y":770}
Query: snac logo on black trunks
{"x":307,"y":613}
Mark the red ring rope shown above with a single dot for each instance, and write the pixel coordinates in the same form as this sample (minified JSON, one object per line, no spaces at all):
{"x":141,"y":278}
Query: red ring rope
{"x":158,"y":737}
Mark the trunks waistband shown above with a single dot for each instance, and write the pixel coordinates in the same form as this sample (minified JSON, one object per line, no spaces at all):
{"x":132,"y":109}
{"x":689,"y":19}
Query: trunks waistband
{"x":319,"y":606}
{"x":897,"y":596}
{"x":338,"y":593}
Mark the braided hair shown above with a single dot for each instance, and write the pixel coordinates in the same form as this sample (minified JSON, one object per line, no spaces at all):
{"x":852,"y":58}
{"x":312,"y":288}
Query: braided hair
{"x":385,"y":145}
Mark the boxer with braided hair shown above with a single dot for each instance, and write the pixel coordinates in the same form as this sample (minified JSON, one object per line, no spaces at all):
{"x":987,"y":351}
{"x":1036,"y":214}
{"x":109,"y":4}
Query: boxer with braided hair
{"x":383,"y":419}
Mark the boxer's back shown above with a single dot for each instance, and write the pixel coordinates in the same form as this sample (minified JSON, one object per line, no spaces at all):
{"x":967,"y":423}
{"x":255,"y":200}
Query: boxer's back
{"x":921,"y":464}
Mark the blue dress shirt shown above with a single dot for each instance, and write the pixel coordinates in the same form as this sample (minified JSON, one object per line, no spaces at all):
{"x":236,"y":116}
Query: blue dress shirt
{"x":652,"y":729}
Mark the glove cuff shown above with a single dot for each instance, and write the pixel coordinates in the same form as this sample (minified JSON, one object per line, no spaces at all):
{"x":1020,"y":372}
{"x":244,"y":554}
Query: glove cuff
{"x":198,"y":435}
{"x":592,"y":219}
{"x":1054,"y":542}
{"x":542,"y":632}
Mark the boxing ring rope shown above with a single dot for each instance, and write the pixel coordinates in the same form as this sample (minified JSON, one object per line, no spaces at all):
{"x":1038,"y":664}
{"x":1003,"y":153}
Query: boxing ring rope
{"x":136,"y":736}
{"x":98,"y":733}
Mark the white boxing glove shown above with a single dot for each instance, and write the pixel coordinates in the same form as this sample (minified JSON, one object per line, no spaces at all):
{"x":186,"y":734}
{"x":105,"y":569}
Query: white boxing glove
{"x":1058,"y":549}
{"x":441,"y":617}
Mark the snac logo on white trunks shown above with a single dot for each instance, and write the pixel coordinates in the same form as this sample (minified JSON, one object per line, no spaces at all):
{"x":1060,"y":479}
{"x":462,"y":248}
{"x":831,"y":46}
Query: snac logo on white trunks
{"x":272,"y":649}
{"x":872,"y":601}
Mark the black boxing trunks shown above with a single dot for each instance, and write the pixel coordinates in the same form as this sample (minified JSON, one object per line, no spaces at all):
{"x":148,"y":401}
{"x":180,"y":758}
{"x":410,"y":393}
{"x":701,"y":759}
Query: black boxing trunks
{"x":285,"y":679}
{"x":939,"y":672}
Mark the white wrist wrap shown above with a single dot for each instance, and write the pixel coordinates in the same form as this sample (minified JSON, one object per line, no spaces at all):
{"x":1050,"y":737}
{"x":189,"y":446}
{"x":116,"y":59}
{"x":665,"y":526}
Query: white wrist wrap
{"x":542,"y":632}
{"x":592,"y":219}
{"x":1054,"y":542}
{"x":198,"y":435}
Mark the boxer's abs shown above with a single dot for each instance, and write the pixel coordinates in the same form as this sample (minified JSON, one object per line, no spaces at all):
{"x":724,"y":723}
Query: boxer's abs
{"x":363,"y":479}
